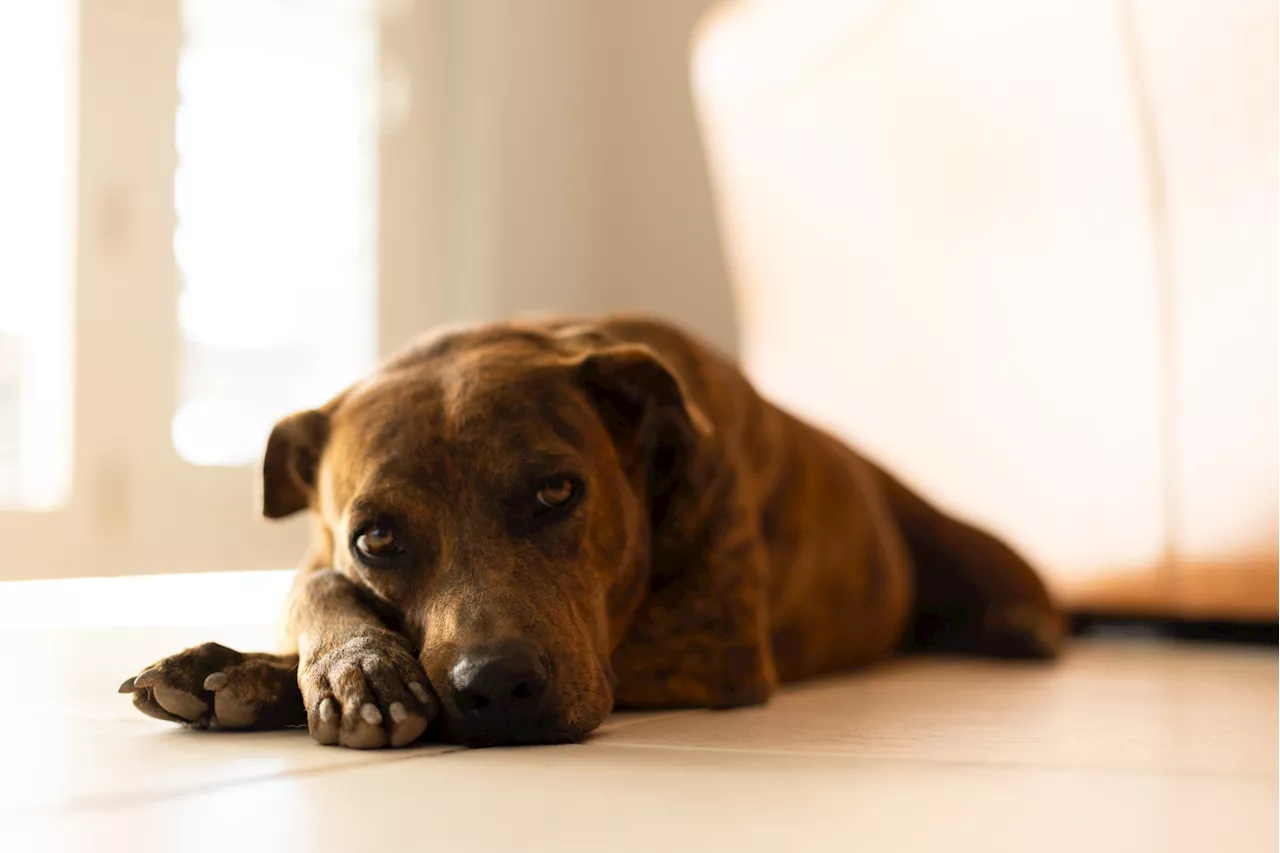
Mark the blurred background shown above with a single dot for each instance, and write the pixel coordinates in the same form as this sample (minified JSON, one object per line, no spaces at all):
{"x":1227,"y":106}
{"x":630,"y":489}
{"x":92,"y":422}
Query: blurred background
{"x":1024,"y":253}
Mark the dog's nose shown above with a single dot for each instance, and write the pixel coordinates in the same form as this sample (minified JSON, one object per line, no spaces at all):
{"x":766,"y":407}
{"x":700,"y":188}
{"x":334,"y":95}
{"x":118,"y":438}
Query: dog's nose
{"x":499,"y":683}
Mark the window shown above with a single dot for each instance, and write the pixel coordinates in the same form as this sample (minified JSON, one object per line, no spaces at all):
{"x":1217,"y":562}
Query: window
{"x":275,"y":196}
{"x":36,"y":228}
{"x":202,"y":180}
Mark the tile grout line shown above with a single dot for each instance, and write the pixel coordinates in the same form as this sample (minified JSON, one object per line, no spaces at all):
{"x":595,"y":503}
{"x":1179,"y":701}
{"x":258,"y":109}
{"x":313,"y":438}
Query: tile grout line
{"x":92,"y":804}
{"x":100,"y":803}
{"x":658,"y":716}
{"x":1247,"y":776}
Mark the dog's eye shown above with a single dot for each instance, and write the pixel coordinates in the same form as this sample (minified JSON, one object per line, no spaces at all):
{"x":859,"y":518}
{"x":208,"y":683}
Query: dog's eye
{"x":556,"y":492}
{"x":377,"y":542}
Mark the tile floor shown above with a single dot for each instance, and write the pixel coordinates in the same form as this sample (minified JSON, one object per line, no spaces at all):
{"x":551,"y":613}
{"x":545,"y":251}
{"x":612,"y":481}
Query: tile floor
{"x":1125,"y":746}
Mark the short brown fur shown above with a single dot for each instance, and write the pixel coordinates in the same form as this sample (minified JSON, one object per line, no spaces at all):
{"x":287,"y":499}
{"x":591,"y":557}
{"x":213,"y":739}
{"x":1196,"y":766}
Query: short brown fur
{"x":720,"y":546}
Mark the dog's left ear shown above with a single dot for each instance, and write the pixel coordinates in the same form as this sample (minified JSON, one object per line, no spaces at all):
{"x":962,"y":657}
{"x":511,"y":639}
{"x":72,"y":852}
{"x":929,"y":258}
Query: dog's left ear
{"x":290,"y":463}
{"x":639,"y":397}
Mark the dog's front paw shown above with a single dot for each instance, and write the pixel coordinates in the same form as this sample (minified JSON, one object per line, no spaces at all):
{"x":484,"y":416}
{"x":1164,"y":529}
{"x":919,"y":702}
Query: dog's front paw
{"x":367,"y":692}
{"x":213,"y":687}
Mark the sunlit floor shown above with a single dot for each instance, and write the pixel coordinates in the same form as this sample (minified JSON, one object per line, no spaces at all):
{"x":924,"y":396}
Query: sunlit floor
{"x":1123,"y":746}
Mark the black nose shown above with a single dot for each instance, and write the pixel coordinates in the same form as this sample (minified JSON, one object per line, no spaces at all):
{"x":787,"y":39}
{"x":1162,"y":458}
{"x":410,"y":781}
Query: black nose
{"x":499,"y":684}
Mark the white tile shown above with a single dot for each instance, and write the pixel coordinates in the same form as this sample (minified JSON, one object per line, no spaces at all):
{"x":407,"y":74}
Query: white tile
{"x":82,"y":744}
{"x":1123,"y":746}
{"x":599,"y":798}
{"x":1144,"y":707}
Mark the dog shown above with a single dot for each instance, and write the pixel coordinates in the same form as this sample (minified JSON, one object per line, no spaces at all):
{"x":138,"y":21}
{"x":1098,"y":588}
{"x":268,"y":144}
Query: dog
{"x":518,"y":527}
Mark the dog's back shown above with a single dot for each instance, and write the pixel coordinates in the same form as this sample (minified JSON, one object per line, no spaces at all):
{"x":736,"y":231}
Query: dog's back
{"x":859,"y":564}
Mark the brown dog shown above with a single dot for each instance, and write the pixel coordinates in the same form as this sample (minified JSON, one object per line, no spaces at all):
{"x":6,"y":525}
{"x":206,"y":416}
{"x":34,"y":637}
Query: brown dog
{"x":519,"y":527}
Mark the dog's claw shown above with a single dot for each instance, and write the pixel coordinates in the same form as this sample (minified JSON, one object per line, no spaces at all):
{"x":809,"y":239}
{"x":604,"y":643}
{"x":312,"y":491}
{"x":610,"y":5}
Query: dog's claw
{"x":419,"y":692}
{"x":216,"y":681}
{"x":126,"y":686}
{"x":370,"y":714}
{"x":146,"y":678}
{"x":398,"y":712}
{"x":328,"y":710}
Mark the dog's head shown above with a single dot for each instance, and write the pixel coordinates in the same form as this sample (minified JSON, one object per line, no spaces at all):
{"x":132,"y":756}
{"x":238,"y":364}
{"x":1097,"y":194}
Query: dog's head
{"x":492,"y":490}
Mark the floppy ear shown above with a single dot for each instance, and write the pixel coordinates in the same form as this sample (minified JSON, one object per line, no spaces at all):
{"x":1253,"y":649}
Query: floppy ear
{"x":290,"y":463}
{"x":630,"y":383}
{"x":644,"y":406}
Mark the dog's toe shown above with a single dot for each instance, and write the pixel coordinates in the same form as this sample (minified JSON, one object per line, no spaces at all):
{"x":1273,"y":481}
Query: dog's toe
{"x":145,"y":701}
{"x":181,"y":703}
{"x":361,"y":724}
{"x":324,"y":721}
{"x":231,"y":708}
{"x":362,"y":727}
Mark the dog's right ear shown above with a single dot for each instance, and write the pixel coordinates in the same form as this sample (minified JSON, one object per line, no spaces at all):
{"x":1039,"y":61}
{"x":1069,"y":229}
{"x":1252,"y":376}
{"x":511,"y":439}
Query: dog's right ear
{"x":291,"y":462}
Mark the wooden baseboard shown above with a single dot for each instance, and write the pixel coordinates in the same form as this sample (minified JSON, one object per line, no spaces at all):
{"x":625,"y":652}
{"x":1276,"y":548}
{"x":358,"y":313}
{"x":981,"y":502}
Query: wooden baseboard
{"x":1242,"y":591}
{"x":1238,"y":590}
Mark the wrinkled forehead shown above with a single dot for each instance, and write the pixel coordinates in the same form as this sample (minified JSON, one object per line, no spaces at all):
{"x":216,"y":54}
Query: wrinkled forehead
{"x":452,"y":427}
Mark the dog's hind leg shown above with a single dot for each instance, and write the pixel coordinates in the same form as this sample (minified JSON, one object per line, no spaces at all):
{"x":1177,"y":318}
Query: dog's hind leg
{"x":974,"y":594}
{"x":213,"y":687}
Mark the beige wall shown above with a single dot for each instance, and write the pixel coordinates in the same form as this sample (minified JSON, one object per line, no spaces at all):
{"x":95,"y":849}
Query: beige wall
{"x":561,"y":165}
{"x":1024,"y":254}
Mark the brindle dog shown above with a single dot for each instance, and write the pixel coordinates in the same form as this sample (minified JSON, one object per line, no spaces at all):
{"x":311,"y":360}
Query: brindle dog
{"x":519,"y":527}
